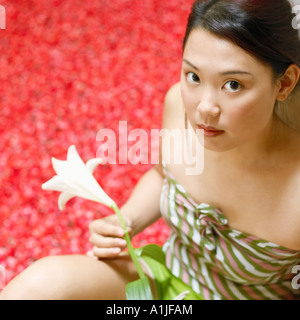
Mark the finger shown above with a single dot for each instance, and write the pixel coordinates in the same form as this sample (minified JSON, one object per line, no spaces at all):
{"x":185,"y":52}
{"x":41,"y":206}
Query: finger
{"x":90,"y":254}
{"x":112,"y":221}
{"x":107,"y":242}
{"x":106,"y":229}
{"x":106,"y":252}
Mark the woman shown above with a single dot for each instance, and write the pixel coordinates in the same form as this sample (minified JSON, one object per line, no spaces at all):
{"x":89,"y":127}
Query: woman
{"x":235,"y":228}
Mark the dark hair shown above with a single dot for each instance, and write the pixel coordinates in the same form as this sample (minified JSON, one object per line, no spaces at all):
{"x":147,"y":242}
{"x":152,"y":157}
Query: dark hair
{"x":261,"y":27}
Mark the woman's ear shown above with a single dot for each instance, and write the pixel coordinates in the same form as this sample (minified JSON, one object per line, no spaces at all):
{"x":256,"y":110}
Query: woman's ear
{"x":288,"y":82}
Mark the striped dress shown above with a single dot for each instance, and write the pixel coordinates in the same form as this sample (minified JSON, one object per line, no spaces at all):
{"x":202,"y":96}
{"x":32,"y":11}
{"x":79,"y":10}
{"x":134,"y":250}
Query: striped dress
{"x":218,"y":262}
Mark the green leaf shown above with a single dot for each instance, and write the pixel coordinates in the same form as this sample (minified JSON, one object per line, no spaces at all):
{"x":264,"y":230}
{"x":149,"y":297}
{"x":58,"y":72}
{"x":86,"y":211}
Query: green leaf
{"x":128,"y":241}
{"x":153,"y":251}
{"x":139,"y":290}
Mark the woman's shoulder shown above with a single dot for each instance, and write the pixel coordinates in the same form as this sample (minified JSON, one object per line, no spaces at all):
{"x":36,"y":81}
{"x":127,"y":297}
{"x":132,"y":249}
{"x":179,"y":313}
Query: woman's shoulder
{"x":173,"y":108}
{"x":173,"y":94}
{"x":172,"y":113}
{"x":293,"y":150}
{"x":292,"y":191}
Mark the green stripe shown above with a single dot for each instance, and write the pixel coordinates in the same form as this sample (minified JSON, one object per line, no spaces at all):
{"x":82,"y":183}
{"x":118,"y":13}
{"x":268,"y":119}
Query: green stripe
{"x":243,"y":267}
{"x":212,"y":280}
{"x":245,"y":250}
{"x":228,"y":263}
{"x":228,"y":290}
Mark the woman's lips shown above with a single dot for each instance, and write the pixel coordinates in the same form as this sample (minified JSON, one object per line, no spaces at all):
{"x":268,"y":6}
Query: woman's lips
{"x":209,"y":131}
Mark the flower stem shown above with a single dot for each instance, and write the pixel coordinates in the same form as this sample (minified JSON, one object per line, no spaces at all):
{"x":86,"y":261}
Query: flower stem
{"x":128,"y":241}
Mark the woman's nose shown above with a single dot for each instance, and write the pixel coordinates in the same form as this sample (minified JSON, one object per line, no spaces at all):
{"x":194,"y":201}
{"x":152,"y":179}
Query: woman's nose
{"x":208,"y":108}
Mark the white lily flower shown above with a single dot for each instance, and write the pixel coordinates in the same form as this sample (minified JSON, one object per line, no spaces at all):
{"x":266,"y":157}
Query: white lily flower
{"x":75,"y":178}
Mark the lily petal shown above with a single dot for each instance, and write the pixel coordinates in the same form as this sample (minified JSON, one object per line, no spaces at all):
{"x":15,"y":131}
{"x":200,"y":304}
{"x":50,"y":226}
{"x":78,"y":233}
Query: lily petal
{"x":63,"y":198}
{"x":75,"y":178}
{"x":73,"y":171}
{"x":73,"y":157}
{"x":59,"y":166}
{"x":73,"y":164}
{"x":93,"y":163}
{"x":56,"y":184}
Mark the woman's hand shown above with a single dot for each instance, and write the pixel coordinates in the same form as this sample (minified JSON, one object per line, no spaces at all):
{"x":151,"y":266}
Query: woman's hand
{"x":106,"y":235}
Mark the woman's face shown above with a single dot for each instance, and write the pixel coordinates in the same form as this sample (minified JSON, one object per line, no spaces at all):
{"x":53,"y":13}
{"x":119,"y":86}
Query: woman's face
{"x":226,"y":92}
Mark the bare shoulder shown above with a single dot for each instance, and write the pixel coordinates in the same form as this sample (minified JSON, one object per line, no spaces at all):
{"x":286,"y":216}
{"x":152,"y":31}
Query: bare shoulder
{"x":173,"y":94}
{"x":172,"y":113}
{"x":173,"y":108}
{"x":294,"y":188}
{"x":173,"y":128}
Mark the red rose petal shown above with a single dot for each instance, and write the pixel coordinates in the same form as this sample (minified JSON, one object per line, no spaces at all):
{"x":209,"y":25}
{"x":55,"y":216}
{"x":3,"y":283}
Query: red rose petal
{"x":67,"y":71}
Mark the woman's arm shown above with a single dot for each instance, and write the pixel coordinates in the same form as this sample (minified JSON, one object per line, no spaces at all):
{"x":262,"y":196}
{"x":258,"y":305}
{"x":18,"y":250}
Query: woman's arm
{"x":140,"y":211}
{"x":142,"y":208}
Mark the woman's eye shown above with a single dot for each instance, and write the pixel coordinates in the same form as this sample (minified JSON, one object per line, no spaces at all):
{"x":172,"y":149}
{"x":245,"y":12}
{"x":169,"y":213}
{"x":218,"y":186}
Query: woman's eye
{"x":232,"y":86}
{"x":193,"y":78}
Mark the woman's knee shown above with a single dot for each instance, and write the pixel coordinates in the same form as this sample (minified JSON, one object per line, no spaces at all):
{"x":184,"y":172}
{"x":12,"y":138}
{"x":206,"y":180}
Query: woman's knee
{"x":73,"y":277}
{"x":47,"y":278}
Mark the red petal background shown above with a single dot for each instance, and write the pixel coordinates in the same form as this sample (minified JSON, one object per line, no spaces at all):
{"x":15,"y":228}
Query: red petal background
{"x":68,"y":69}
